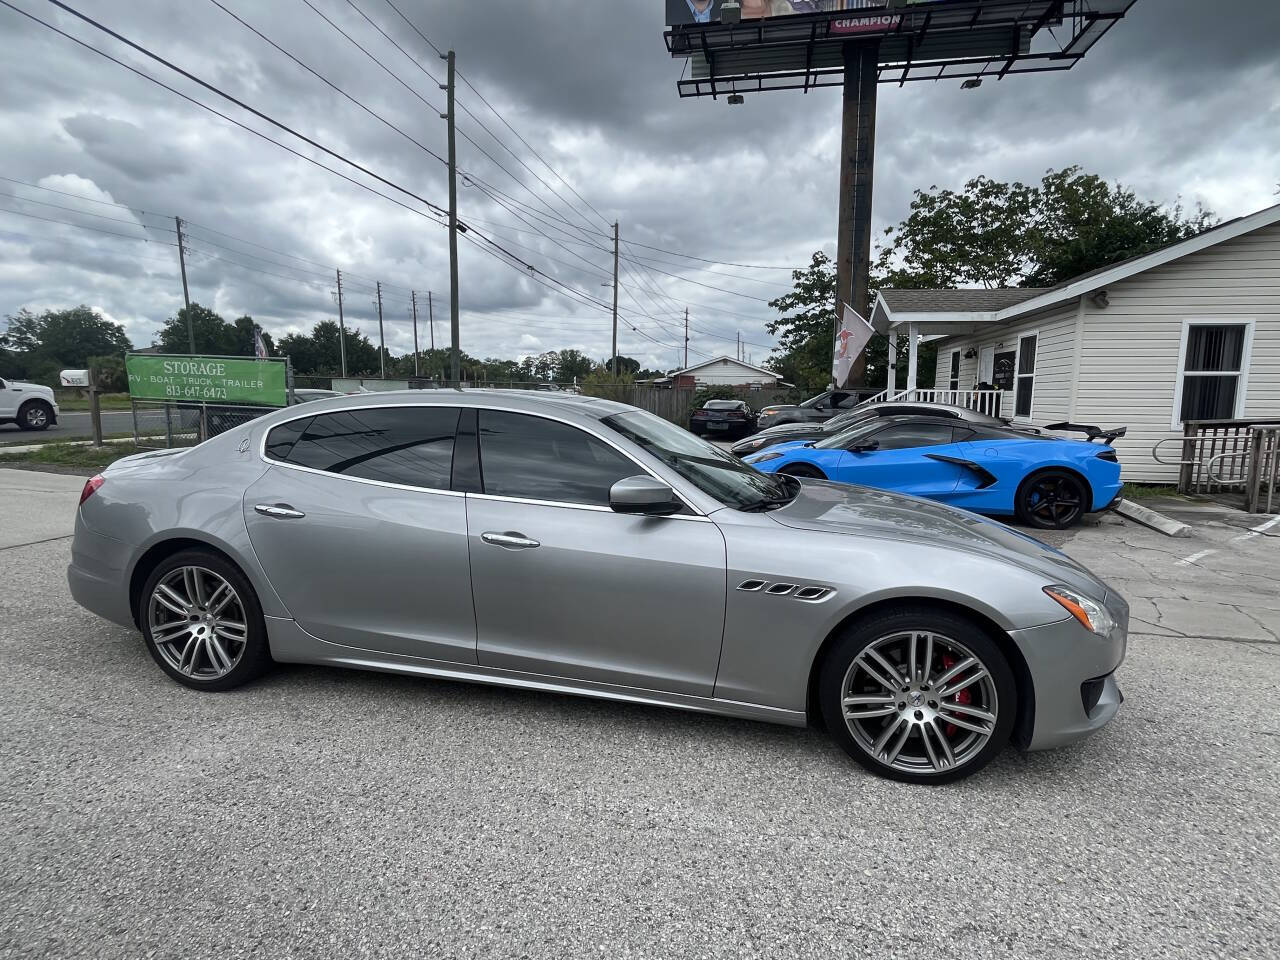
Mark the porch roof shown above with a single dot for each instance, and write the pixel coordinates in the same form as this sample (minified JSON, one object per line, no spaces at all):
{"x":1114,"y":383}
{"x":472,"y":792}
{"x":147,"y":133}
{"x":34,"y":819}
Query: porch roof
{"x":945,"y":312}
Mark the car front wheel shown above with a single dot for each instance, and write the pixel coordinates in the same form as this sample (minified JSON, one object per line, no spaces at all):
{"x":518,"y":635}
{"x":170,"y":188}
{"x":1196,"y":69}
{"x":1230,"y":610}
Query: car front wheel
{"x":803,"y":470}
{"x":35,"y":416}
{"x":919,"y":696}
{"x":202,"y":622}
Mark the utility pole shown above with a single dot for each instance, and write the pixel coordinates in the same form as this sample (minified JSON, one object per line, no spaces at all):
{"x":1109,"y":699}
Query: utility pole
{"x":739,"y":344}
{"x":686,"y":338}
{"x":413,"y":298}
{"x":431,"y":321}
{"x":615,"y":298}
{"x":186,"y":295}
{"x":342,"y":329}
{"x":455,"y":338}
{"x":382,"y":340}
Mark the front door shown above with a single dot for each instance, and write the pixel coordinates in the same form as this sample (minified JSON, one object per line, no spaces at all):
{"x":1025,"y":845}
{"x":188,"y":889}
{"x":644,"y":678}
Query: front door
{"x":986,"y":365}
{"x":909,"y":458}
{"x":360,"y":535}
{"x":563,"y":586}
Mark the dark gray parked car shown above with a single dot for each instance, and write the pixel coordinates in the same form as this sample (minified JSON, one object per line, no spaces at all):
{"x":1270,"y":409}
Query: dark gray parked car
{"x":786,"y":432}
{"x":814,"y":410}
{"x":576,"y":545}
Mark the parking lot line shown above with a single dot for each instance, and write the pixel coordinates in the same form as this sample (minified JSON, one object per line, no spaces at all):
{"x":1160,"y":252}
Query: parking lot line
{"x":1195,"y":557}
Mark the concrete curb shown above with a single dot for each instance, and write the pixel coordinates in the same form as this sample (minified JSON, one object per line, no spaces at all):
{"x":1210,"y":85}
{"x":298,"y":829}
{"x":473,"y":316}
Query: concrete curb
{"x":33,"y":447}
{"x":1149,"y":518}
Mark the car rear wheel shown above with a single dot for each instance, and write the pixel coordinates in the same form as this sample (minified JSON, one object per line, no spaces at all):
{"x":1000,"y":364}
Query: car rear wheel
{"x":202,"y":622}
{"x":919,"y":696}
{"x":803,"y":470}
{"x":1052,"y":500}
{"x":36,"y":415}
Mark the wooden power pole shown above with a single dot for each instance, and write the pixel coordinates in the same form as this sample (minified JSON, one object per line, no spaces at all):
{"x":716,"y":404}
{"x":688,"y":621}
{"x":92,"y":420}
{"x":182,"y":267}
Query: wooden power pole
{"x":454,"y":335}
{"x":431,"y":321}
{"x":686,"y":338}
{"x":413,"y":298}
{"x":382,"y":340}
{"x":615,"y":298}
{"x":342,"y":330}
{"x":186,"y":294}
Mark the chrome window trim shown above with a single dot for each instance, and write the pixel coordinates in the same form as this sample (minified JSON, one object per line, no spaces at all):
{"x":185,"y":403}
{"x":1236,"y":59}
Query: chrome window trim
{"x":592,"y":507}
{"x":262,"y":455}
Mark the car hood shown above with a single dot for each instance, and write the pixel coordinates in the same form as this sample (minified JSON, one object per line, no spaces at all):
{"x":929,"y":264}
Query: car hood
{"x":787,"y":429}
{"x":840,"y":508}
{"x":30,"y":388}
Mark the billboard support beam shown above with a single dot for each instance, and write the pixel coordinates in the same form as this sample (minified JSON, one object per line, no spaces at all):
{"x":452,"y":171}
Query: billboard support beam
{"x":857,"y":167}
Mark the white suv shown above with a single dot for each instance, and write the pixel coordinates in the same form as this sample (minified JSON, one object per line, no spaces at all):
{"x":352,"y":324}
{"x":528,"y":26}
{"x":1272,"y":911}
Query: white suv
{"x":29,"y":405}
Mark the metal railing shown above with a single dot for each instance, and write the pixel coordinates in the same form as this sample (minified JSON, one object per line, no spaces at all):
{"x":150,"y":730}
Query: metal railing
{"x":1227,"y":457}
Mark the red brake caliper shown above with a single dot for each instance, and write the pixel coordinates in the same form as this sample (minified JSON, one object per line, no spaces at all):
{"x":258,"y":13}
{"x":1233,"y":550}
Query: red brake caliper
{"x":964,"y":696}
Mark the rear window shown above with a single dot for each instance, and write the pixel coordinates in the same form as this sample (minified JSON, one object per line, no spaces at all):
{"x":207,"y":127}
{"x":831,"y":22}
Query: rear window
{"x":411,"y":446}
{"x":722,"y":405}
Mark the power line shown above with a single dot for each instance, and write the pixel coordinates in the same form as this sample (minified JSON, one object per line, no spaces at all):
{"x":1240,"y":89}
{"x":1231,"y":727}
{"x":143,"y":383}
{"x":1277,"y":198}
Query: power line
{"x":85,"y":213}
{"x":85,"y":226}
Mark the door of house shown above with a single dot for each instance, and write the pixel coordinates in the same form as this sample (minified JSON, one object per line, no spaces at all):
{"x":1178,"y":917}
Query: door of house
{"x":986,"y":364}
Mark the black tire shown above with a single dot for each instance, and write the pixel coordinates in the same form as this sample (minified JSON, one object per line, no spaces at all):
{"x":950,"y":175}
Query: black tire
{"x":35,"y":415}
{"x":953,"y":635}
{"x":253,"y":653}
{"x":1053,"y":499}
{"x":803,"y":470}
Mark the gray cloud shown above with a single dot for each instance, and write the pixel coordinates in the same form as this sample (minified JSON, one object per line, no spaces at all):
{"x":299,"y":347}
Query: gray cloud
{"x":1178,"y":101}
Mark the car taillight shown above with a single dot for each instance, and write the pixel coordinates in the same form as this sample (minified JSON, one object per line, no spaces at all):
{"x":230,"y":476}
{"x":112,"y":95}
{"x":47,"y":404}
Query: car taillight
{"x":1109,"y":455}
{"x":737,"y":415}
{"x":91,"y":486}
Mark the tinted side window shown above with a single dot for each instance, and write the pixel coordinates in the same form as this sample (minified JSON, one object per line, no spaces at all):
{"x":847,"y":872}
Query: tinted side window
{"x":280,"y":441}
{"x":407,"y":445}
{"x":538,"y":459}
{"x":907,"y":435}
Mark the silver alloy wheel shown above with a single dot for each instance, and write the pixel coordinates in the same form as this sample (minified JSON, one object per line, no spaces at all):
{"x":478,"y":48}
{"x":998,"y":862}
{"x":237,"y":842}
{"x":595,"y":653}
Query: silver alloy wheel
{"x":920,"y":702}
{"x":37,"y":415}
{"x":198,"y":623}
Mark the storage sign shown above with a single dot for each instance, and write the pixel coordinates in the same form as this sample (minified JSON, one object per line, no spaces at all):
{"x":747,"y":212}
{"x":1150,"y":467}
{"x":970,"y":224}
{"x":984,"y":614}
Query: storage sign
{"x":207,"y":379}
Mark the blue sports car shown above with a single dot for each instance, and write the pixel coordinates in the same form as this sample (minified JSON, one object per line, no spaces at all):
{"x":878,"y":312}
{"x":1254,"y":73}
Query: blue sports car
{"x":1046,"y":481}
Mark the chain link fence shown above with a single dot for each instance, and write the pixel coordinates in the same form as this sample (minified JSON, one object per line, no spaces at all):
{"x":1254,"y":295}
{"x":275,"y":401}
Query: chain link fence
{"x":160,"y":424}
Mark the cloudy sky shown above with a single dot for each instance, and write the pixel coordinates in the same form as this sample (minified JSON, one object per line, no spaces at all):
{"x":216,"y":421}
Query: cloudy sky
{"x":1181,"y":100}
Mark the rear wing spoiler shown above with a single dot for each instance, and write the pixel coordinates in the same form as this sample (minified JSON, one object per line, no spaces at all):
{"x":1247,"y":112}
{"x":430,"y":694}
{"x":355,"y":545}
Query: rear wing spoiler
{"x":1092,"y":433}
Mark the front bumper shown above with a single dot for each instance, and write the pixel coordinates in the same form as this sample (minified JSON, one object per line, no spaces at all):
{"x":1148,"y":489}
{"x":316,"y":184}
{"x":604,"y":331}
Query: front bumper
{"x":1073,"y":677}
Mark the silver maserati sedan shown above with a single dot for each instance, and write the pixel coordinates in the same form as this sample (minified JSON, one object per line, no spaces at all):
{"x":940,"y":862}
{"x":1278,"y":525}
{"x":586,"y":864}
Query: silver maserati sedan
{"x":576,"y":545}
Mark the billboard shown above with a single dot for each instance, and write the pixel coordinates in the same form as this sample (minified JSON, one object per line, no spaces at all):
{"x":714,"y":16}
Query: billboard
{"x":213,"y":379}
{"x":680,"y":12}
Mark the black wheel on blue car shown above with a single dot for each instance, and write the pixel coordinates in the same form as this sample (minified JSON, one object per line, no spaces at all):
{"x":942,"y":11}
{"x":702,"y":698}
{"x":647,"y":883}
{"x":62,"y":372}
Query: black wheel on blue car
{"x":202,"y":622}
{"x":803,"y":470}
{"x":1052,"y":500}
{"x":922,"y":696}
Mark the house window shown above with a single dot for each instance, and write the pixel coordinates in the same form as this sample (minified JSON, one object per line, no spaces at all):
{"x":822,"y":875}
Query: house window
{"x":1026,"y":380}
{"x":1211,"y":377}
{"x":953,"y":381}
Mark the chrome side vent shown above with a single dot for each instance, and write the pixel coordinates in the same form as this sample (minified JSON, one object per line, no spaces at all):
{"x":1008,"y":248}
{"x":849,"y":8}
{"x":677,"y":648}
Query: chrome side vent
{"x":813,"y":594}
{"x":780,"y":589}
{"x":751,"y":586}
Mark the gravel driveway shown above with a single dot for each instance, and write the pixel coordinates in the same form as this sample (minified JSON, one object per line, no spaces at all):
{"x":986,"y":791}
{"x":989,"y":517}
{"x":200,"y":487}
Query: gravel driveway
{"x":322,"y":813}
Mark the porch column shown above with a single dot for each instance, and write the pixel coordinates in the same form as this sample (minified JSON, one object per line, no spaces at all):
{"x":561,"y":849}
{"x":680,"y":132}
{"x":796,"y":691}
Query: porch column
{"x":892,"y":386}
{"x":913,"y":342}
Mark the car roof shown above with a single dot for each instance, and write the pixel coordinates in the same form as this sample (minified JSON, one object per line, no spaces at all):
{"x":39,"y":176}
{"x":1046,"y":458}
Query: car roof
{"x":923,"y":407}
{"x":531,"y":401}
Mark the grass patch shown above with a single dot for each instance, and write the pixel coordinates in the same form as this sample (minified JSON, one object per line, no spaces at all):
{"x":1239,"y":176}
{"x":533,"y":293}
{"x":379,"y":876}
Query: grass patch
{"x":86,"y":457}
{"x":77,"y":401}
{"x":1135,"y":493}
{"x":34,"y":437}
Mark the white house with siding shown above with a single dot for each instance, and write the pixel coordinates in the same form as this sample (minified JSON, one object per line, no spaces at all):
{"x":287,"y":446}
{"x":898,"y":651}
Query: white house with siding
{"x":1189,"y":332}
{"x":727,"y":372}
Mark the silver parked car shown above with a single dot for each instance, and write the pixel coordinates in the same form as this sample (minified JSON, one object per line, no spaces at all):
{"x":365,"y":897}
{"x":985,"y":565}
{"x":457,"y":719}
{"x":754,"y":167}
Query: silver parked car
{"x":576,"y":545}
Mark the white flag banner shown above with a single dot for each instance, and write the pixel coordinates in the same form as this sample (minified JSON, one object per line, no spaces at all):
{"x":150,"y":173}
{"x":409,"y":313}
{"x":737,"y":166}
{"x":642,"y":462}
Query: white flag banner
{"x":851,"y":339}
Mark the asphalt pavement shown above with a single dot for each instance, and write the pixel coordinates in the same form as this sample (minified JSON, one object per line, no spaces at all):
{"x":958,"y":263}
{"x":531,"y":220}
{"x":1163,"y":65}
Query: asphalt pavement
{"x":71,"y":425}
{"x":322,"y":813}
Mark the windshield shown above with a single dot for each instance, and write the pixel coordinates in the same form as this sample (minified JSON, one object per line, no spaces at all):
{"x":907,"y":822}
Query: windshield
{"x":846,"y":437}
{"x":844,"y":421}
{"x":713,"y":471}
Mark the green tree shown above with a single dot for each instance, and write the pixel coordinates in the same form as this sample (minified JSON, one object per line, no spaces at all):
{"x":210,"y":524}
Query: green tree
{"x":625,"y":365}
{"x":62,"y":338}
{"x":214,"y":336}
{"x":574,"y":365}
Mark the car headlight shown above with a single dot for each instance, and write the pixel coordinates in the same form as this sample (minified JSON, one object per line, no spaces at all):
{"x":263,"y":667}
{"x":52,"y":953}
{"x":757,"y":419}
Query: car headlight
{"x":763,"y":457}
{"x":1093,"y":616}
{"x":756,"y":444}
{"x":768,"y":412}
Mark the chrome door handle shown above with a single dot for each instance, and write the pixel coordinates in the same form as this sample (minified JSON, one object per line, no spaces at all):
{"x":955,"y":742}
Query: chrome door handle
{"x":516,"y":541}
{"x":281,"y":511}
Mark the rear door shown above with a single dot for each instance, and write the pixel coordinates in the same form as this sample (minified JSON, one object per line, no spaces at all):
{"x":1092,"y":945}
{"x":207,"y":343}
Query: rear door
{"x":565,"y":587}
{"x":360,"y":533}
{"x":910,"y":458}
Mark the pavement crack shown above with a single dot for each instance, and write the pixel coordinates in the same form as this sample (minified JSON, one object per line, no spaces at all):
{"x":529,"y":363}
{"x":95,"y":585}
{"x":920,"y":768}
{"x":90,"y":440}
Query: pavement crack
{"x":32,"y":543}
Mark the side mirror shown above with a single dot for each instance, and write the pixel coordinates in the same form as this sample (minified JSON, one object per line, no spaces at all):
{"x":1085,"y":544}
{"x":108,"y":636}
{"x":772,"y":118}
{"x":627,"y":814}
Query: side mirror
{"x":865,"y":447}
{"x":643,"y":495}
